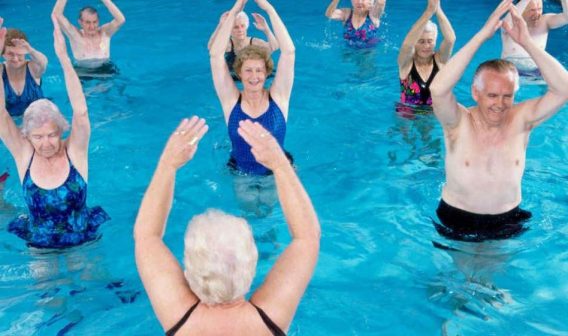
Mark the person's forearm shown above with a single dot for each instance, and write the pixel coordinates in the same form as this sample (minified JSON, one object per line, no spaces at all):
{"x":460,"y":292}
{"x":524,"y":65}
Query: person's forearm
{"x":156,"y":203}
{"x":39,"y":58}
{"x":331,"y":8}
{"x":74,"y":87}
{"x":448,"y":76}
{"x":213,"y":36}
{"x":284,"y":40}
{"x":418,"y":28}
{"x":272,"y":41}
{"x":554,"y":74}
{"x":114,"y":11}
{"x":296,"y":204}
{"x":445,"y":26}
{"x":59,"y":7}
{"x":219,"y":43}
{"x":378,"y":8}
{"x":564,"y":4}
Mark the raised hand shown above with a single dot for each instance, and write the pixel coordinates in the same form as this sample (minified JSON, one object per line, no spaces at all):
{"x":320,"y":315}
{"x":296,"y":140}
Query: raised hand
{"x":264,"y":146}
{"x":518,"y":29}
{"x":263,"y":4}
{"x":494,"y":22}
{"x":433,"y":5}
{"x":22,"y":44}
{"x":182,"y":144}
{"x":239,"y":5}
{"x":260,"y":22}
{"x":58,"y":39}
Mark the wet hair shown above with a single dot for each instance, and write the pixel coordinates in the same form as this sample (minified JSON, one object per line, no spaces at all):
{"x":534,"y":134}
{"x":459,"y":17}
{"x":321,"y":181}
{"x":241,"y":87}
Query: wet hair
{"x":253,"y":52}
{"x":88,"y":9}
{"x":40,"y":112}
{"x":13,"y":34}
{"x":220,"y":257}
{"x":243,"y":16}
{"x":431,"y":27}
{"x":497,"y":65}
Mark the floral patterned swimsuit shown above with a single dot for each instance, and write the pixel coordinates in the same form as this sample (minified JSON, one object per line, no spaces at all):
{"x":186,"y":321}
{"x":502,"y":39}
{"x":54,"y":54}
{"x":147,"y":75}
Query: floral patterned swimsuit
{"x":414,"y":90}
{"x":365,"y":36}
{"x":58,"y":217}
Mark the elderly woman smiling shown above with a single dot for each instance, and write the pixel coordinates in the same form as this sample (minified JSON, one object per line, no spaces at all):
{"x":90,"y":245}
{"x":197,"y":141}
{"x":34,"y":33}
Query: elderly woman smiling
{"x":53,"y":171}
{"x":220,"y":255}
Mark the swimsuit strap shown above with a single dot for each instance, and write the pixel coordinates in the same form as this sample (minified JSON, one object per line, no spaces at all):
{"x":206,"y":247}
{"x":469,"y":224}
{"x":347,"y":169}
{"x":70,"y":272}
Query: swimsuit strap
{"x":31,"y":160}
{"x":275,"y":329}
{"x":181,"y":322}
{"x":251,"y":40}
{"x":232,"y":45}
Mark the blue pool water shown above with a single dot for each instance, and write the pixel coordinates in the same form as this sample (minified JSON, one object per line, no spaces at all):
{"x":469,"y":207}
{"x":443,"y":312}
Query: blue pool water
{"x":374,"y":178}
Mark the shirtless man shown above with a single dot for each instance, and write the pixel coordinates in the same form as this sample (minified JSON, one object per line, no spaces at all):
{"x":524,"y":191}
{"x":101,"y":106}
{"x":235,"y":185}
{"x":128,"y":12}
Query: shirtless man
{"x":91,"y":43}
{"x":486,"y":144}
{"x":538,"y":26}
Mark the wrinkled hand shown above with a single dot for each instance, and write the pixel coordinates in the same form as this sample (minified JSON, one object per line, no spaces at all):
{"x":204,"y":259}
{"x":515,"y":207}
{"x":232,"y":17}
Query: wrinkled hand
{"x":433,"y":5}
{"x":22,"y":44}
{"x":517,"y":29}
{"x":182,"y":144}
{"x":494,"y":22}
{"x":260,"y":22}
{"x":264,"y":146}
{"x":58,"y":39}
{"x":263,"y":4}
{"x":223,"y":17}
{"x":2,"y":34}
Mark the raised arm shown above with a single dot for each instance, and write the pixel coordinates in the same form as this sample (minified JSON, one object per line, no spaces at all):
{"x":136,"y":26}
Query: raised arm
{"x":286,"y":282}
{"x":38,"y":61}
{"x":335,"y":14}
{"x":261,"y":24}
{"x":558,"y":20}
{"x":406,"y":53}
{"x":118,"y":18}
{"x":9,"y":132}
{"x":539,"y":109}
{"x":69,"y":29}
{"x":281,"y":88}
{"x":159,"y":270}
{"x":444,"y":102}
{"x":80,"y":126}
{"x":377,"y":11}
{"x":224,"y":85}
{"x":214,"y":35}
{"x":449,"y":35}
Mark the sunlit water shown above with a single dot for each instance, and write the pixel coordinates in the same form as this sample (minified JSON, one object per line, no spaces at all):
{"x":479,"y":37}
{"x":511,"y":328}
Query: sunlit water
{"x":374,"y":177}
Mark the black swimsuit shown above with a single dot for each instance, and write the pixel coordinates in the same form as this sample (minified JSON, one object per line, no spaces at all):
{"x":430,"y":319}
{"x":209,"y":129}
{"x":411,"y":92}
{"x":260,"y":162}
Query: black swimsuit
{"x":276,"y":331}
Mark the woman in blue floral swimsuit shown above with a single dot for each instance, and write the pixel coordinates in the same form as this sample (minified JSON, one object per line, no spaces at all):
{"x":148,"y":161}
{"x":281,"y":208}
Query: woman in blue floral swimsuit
{"x":360,"y":23}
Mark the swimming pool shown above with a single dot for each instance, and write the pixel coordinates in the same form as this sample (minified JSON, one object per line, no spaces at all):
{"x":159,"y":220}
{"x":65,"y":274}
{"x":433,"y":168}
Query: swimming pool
{"x":374,"y":178}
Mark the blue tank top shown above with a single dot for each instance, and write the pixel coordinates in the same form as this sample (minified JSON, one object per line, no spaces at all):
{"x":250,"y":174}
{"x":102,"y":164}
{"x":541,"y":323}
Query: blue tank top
{"x":58,"y":217}
{"x":16,"y":105}
{"x":365,"y":36}
{"x":241,"y":156}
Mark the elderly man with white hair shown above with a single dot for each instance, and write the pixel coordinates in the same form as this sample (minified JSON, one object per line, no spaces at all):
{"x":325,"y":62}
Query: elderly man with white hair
{"x":538,"y":25}
{"x":53,"y":171}
{"x":418,"y":60}
{"x":486,"y":144}
{"x":220,"y":255}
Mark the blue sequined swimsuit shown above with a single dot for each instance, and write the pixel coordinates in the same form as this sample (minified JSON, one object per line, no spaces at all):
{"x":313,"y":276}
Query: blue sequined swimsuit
{"x":58,"y":217}
{"x":241,"y":156}
{"x":17,"y":104}
{"x":366,"y":36}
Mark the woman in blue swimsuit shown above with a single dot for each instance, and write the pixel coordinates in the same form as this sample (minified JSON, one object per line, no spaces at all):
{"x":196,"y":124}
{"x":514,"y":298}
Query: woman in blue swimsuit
{"x":268,"y":107}
{"x":360,"y":23}
{"x":53,"y":171}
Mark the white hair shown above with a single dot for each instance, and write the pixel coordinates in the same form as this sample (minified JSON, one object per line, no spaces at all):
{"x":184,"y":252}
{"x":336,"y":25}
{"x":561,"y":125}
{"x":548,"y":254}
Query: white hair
{"x":220,"y":257}
{"x":243,"y":16}
{"x":40,"y":112}
{"x":431,"y":27}
{"x":498,"y":65}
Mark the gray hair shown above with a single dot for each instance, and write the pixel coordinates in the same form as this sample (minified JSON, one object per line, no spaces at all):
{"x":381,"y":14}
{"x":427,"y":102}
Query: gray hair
{"x":497,"y":65}
{"x":431,"y":27}
{"x":243,"y":16}
{"x":220,"y":257}
{"x":40,"y":112}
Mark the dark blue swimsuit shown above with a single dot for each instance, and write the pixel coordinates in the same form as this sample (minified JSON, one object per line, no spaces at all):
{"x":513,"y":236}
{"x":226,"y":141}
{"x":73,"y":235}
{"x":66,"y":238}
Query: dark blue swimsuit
{"x":241,"y":157}
{"x":58,"y":217}
{"x":16,"y":105}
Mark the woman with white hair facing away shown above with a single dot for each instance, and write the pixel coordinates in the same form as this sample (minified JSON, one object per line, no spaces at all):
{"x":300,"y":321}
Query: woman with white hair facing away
{"x":239,"y":36}
{"x":418,"y":62}
{"x":220,"y":255}
{"x":53,"y":171}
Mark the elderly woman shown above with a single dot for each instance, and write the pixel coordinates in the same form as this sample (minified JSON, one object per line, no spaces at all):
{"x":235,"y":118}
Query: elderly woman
{"x":220,"y":256}
{"x":53,"y":171}
{"x":240,"y":39}
{"x":22,"y":78}
{"x":360,"y":23}
{"x":418,"y":62}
